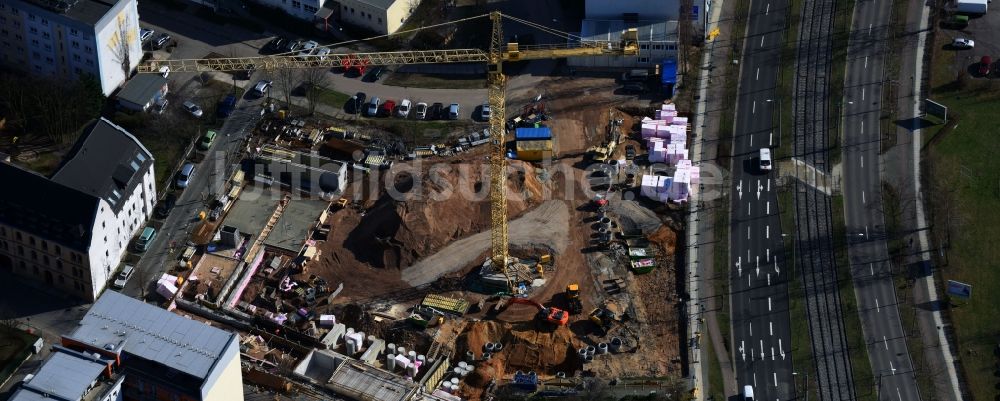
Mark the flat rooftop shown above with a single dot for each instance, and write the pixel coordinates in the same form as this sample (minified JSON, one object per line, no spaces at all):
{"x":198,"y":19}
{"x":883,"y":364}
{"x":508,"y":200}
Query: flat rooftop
{"x":295,"y":223}
{"x":356,"y":380}
{"x":67,"y":375}
{"x":251,"y":211}
{"x":119,"y":323}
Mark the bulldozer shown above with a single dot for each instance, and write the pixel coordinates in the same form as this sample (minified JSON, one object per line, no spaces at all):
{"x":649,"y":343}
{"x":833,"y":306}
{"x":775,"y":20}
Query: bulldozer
{"x":574,"y":306}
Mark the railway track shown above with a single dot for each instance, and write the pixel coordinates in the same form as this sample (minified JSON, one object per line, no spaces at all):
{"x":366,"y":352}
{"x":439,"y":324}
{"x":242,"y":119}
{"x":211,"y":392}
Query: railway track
{"x":813,"y":216}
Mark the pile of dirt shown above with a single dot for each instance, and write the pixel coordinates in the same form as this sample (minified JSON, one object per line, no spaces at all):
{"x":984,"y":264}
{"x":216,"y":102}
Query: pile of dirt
{"x":660,"y":307}
{"x":528,"y":346}
{"x":444,"y":204}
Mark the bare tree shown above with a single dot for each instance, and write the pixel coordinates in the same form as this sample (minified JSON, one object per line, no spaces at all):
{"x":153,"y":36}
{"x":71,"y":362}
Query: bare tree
{"x":313,"y":84}
{"x":287,"y":79}
{"x":121,"y":44}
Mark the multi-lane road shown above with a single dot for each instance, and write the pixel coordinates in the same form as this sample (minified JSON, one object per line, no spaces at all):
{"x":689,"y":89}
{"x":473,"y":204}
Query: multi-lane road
{"x":869,"y":257}
{"x":759,"y":299}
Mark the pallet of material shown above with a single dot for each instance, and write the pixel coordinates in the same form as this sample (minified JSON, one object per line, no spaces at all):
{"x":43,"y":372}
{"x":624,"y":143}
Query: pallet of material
{"x":643,"y":266}
{"x":446,"y":304}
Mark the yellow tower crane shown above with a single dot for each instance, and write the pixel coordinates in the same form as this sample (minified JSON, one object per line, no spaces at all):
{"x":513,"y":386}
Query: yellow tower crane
{"x":498,"y":53}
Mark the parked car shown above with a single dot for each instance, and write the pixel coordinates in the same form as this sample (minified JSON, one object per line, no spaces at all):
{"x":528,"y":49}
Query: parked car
{"x":485,"y":112}
{"x":984,"y":66}
{"x":404,"y":108}
{"x":165,"y":206}
{"x":356,"y":103}
{"x":453,"y":111}
{"x":276,"y":44}
{"x":307,"y":48}
{"x":123,"y":276}
{"x":421,"y":110}
{"x":226,"y":106}
{"x":184,"y":176}
{"x":374,"y":74}
{"x":261,"y":88}
{"x":373,"y":106}
{"x":388,"y":107}
{"x":206,"y":140}
{"x":145,"y":34}
{"x":146,"y":238}
{"x":192,"y":108}
{"x":434,"y":113}
{"x":161,"y":41}
{"x":963,"y":43}
{"x":291,"y":46}
{"x":321,"y":53}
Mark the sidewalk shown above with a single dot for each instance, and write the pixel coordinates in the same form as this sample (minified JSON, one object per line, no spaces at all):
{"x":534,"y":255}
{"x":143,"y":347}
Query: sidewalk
{"x":704,"y":303}
{"x":903,"y":172}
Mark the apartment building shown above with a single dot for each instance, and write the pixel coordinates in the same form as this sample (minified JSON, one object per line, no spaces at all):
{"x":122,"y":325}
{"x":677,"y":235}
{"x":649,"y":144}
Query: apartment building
{"x":380,"y":16}
{"x":69,"y":231}
{"x":67,"y":39}
{"x":163,"y":356}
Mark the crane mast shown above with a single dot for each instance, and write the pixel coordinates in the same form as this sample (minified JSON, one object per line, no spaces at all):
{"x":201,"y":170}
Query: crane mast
{"x":496,"y":83}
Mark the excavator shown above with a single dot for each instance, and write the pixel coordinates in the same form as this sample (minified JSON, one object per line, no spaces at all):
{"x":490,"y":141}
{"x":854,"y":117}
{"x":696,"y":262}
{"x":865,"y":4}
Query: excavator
{"x":602,"y":152}
{"x":550,"y":314}
{"x":498,"y":53}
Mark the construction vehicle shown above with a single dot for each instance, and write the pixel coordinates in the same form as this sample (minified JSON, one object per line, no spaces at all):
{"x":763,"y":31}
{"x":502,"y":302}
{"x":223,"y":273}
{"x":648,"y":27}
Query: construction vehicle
{"x":424,"y":317}
{"x":573,"y":298}
{"x":498,"y":53}
{"x":549,"y":314}
{"x":603,"y":152}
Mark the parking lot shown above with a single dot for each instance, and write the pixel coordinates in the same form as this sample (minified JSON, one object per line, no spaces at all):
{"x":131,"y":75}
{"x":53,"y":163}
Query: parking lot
{"x":985,"y":32}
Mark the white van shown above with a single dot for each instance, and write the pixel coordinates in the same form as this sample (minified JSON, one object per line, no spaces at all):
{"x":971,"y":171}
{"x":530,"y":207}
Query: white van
{"x":747,"y":393}
{"x":765,"y":159}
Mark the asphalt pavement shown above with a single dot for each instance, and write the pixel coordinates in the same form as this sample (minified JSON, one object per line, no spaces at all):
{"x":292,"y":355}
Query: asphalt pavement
{"x":208,"y":180}
{"x":869,"y":257}
{"x":759,"y":281}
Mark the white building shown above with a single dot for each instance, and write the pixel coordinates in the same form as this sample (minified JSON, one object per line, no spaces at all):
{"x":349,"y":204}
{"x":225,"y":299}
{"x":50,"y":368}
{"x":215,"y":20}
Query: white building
{"x":71,"y":231}
{"x":69,"y":38}
{"x":657,"y":41}
{"x":380,"y":16}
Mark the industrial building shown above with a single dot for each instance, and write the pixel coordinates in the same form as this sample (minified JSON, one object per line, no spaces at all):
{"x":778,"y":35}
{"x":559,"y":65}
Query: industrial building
{"x":162,"y":355}
{"x":658,"y":40}
{"x":70,"y":231}
{"x":70,"y":39}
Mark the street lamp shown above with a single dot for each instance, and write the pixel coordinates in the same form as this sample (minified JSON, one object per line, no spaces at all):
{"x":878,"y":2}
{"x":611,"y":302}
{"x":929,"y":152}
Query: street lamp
{"x":806,"y":386}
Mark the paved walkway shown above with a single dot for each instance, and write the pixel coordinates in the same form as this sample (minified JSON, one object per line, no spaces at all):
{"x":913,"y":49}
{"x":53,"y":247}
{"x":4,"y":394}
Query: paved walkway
{"x":705,"y":304}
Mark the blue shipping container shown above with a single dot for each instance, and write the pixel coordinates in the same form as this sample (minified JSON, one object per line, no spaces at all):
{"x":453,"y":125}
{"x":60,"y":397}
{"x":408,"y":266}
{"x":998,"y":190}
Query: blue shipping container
{"x":532,"y":133}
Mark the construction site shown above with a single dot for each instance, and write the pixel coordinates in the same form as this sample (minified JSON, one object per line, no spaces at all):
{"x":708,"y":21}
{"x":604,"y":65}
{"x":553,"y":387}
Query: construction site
{"x":530,"y":257}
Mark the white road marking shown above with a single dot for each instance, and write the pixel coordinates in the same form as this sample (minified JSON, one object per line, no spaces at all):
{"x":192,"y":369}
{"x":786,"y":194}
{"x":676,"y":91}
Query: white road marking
{"x":877,"y":309}
{"x":866,"y":231}
{"x":768,"y":278}
{"x":862,"y":162}
{"x":768,"y":207}
{"x":751,"y":329}
{"x":758,"y":266}
{"x":758,"y":74}
{"x":768,"y":185}
{"x":886,"y":342}
{"x":770,"y":139}
{"x":772,"y":358}
{"x":768,"y":304}
{"x":892,"y":368}
{"x":739,"y":188}
{"x":775,"y":378}
{"x":748,"y":232}
{"x":767,"y":9}
{"x":767,"y":232}
{"x":776,"y":269}
{"x":862,"y":93}
{"x":751,"y":140}
{"x":743,"y":352}
{"x":862,"y":127}
{"x":872,"y":267}
{"x":767,"y":255}
{"x":761,"y":349}
{"x":781,"y":350}
{"x":863,"y":197}
{"x":755,"y":379}
{"x":869,"y":29}
{"x":754,"y":108}
{"x":770,"y":325}
{"x":866,"y":62}
{"x":898,"y":395}
{"x":739,"y":265}
{"x":761,"y":40}
{"x":748,"y":280}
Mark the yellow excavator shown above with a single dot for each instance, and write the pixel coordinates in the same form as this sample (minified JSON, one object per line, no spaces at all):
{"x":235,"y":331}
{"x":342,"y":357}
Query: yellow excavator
{"x":498,"y":53}
{"x":603,"y":152}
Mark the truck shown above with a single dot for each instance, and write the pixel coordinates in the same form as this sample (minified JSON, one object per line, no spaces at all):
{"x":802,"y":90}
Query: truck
{"x":972,"y":7}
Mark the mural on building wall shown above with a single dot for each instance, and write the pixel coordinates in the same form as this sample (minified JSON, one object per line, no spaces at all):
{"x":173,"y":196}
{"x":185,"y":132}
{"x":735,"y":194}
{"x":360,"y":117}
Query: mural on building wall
{"x":122,"y":41}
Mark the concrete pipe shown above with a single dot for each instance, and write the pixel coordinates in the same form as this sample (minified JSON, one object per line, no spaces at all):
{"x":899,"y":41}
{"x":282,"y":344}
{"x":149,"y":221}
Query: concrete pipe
{"x":422,"y":359}
{"x":602,"y":348}
{"x":616,"y":344}
{"x":490,"y":347}
{"x":457,"y":371}
{"x":605,"y":221}
{"x":497,"y":347}
{"x":590,"y":358}
{"x":390,"y":362}
{"x":583,"y":353}
{"x":464,"y":372}
{"x":390,"y":348}
{"x":470,"y":356}
{"x":454,"y":380}
{"x":351,"y":347}
{"x":561,"y":375}
{"x":412,"y":355}
{"x":487,"y":356}
{"x":591,"y":350}
{"x":401,"y":350}
{"x":463,"y":365}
